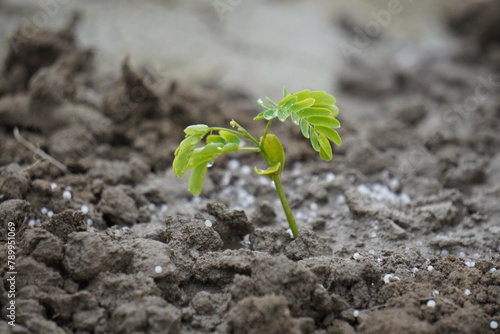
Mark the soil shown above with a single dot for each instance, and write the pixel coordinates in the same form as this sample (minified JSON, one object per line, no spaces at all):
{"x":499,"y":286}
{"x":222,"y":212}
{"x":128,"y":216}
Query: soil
{"x":399,"y":234}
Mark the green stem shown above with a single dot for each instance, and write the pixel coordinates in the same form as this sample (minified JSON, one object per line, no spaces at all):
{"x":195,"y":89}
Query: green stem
{"x":266,"y":130}
{"x":286,"y":206}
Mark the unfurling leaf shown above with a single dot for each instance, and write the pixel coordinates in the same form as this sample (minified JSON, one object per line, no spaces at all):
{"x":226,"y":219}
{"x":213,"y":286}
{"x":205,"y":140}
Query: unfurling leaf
{"x":198,"y":129}
{"x":183,"y":154}
{"x":197,"y":179}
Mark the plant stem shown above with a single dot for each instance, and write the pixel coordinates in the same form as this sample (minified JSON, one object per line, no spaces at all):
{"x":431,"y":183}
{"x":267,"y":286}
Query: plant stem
{"x":266,"y":130}
{"x":286,"y":206}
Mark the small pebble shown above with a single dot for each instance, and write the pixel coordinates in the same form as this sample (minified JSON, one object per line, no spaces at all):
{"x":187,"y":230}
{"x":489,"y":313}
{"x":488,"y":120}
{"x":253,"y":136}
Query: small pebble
{"x":208,"y":223}
{"x":355,"y":313}
{"x":371,"y":251}
{"x":50,"y":213}
{"x":357,"y":256}
{"x":493,"y":324}
{"x":66,"y":194}
{"x":158,"y":269}
{"x":431,"y":303}
{"x":53,"y":186}
{"x":84,"y":209}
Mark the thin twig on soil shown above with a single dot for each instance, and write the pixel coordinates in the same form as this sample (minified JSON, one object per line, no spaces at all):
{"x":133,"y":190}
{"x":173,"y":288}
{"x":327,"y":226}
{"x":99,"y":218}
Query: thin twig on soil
{"x":38,"y":151}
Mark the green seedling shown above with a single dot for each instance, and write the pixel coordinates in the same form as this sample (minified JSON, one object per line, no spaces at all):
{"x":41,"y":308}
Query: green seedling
{"x":313,"y":111}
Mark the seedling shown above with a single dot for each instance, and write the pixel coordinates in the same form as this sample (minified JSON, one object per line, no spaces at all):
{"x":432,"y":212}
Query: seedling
{"x":313,"y":111}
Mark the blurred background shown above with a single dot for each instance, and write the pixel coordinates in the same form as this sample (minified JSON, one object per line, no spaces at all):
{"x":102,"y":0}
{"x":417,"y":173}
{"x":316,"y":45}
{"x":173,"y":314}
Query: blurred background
{"x":254,"y":46}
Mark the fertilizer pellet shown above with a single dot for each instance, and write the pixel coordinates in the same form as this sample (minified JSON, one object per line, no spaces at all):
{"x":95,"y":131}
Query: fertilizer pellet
{"x":493,"y":324}
{"x":208,"y":223}
{"x":44,"y":210}
{"x":158,"y":269}
{"x":467,"y":292}
{"x":356,"y":256}
{"x":66,"y":194}
{"x":84,"y":209}
{"x":355,"y":313}
{"x":89,"y":222}
{"x":431,"y":303}
{"x":53,"y":186}
{"x":435,"y":293}
{"x":50,"y":213}
{"x":470,"y":263}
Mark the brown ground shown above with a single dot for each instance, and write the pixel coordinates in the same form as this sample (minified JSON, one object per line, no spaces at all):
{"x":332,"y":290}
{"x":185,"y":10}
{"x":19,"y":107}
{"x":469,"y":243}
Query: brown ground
{"x":400,"y":233}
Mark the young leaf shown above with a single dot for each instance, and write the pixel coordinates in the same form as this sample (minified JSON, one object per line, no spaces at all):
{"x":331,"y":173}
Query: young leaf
{"x":198,"y":129}
{"x":183,"y":154}
{"x":317,"y":94}
{"x":324,"y":121}
{"x":304,"y":127}
{"x":229,"y":137}
{"x":330,"y":134}
{"x":325,"y":151}
{"x":314,"y":140}
{"x":270,"y":114}
{"x":295,"y":118}
{"x":303,"y":94}
{"x":325,"y":100}
{"x":282,"y":114}
{"x":285,"y":102}
{"x":230,"y":147}
{"x":197,"y":179}
{"x":334,"y":109}
{"x":306,"y":103}
{"x":285,"y":92}
{"x":215,"y":139}
{"x":315,"y":111}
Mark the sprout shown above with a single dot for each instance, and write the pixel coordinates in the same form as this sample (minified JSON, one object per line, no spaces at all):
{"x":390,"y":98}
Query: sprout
{"x":313,"y":111}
